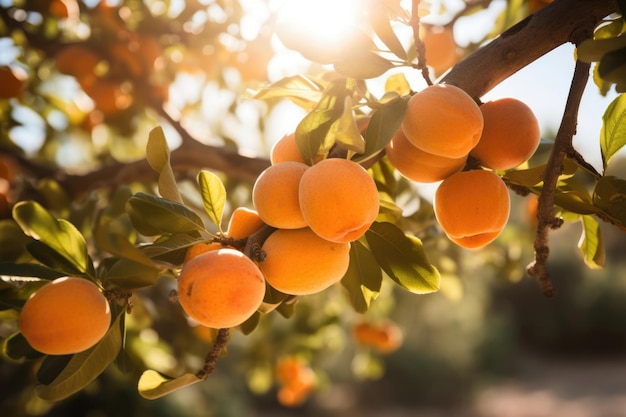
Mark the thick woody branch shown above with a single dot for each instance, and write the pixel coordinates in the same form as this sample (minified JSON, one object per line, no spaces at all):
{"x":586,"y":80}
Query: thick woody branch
{"x":522,"y":44}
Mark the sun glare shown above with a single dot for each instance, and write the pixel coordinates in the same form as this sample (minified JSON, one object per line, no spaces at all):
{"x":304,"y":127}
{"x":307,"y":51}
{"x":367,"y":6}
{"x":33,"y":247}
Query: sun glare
{"x":324,"y":20}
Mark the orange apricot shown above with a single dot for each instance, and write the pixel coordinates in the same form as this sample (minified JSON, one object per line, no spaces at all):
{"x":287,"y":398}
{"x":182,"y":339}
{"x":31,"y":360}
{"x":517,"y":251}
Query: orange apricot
{"x":67,"y":315}
{"x":200,"y":248}
{"x":221,"y":288}
{"x":243,"y":222}
{"x":275,"y":195}
{"x":417,"y":165}
{"x":299,"y":262}
{"x":11,"y":83}
{"x":296,"y":379}
{"x":472,"y":207}
{"x":510,"y":136}
{"x":384,"y":337}
{"x":440,"y":48}
{"x":338,"y":199}
{"x":286,"y":149}
{"x":443,"y":120}
{"x":108,"y":95}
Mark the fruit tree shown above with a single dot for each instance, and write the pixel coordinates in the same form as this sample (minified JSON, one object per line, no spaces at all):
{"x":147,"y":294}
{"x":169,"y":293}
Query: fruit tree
{"x":180,"y":180}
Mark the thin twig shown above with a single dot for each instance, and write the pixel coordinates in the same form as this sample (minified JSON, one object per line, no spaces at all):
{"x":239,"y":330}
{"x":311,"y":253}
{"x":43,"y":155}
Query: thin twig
{"x":210,"y":361}
{"x":419,"y":44}
{"x":545,"y":210}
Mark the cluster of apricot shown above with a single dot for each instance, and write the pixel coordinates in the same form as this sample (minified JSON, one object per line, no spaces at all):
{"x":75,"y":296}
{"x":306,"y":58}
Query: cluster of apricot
{"x":296,"y":381}
{"x":65,"y":316}
{"x":315,"y":211}
{"x":384,"y":337}
{"x":443,"y":126}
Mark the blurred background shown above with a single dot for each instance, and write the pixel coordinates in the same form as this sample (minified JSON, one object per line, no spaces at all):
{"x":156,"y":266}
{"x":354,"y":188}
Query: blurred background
{"x":489,"y":344}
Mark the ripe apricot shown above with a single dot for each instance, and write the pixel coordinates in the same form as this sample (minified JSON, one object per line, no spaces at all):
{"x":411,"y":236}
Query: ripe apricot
{"x":296,"y":379}
{"x":472,"y":207}
{"x":275,"y":195}
{"x":200,"y":248}
{"x":384,"y":337}
{"x":77,"y":60}
{"x":286,"y":149}
{"x":338,"y":199}
{"x":299,"y":262}
{"x":11,"y":84}
{"x":511,"y":134}
{"x":220,"y":288}
{"x":243,"y":222}
{"x":68,"y":315}
{"x":109,"y":97}
{"x":443,"y":120}
{"x":440,"y":48}
{"x":417,"y":165}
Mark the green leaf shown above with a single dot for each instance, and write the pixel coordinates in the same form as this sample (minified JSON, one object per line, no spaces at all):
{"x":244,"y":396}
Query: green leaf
{"x":346,"y":131}
{"x":150,"y":213}
{"x":300,"y":90}
{"x":51,"y":367}
{"x":158,"y":156}
{"x":363,"y":278}
{"x":381,"y":22}
{"x":14,"y":291}
{"x":312,"y":135}
{"x":153,"y":384}
{"x":213,"y":196}
{"x":250,"y":324}
{"x":402,"y":257}
{"x":16,"y":347}
{"x":610,"y":197}
{"x":28,"y":270}
{"x":59,"y":235}
{"x":385,"y":122}
{"x":84,"y":367}
{"x":130,"y":275}
{"x":592,"y":50}
{"x":613,"y":131}
{"x":362,"y":64}
{"x":591,"y":243}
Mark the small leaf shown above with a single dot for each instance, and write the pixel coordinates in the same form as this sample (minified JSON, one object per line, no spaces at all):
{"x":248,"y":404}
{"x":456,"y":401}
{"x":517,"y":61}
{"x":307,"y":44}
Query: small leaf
{"x":59,"y":235}
{"x":591,"y":243}
{"x":84,"y":367}
{"x":381,"y":23}
{"x":158,"y":156}
{"x":384,"y":123}
{"x":362,"y":65}
{"x":613,"y":131}
{"x":363,"y":278}
{"x":610,"y":197}
{"x":250,"y":324}
{"x":402,"y":258}
{"x":17,"y":348}
{"x":130,"y":275}
{"x":397,"y":83}
{"x":28,"y":270}
{"x":300,"y":90}
{"x":153,"y":385}
{"x":592,"y":50}
{"x":161,"y":215}
{"x":213,"y":196}
{"x":346,"y":130}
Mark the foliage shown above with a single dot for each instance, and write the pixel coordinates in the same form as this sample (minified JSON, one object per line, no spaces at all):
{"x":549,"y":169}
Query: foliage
{"x":141,"y":156}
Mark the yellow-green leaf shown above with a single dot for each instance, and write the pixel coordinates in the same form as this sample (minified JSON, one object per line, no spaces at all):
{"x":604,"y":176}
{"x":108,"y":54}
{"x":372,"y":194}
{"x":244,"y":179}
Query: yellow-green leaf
{"x":158,"y":155}
{"x":153,"y":385}
{"x":591,"y":243}
{"x":613,"y":131}
{"x":213,"y":196}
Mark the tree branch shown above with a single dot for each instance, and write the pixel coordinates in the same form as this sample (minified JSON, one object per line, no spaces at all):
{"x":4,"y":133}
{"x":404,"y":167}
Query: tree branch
{"x":522,"y":44}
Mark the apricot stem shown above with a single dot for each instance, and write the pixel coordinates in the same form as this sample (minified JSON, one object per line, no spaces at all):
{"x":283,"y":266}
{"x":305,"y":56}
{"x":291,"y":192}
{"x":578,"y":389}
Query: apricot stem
{"x":210,"y":361}
{"x":545,"y":209}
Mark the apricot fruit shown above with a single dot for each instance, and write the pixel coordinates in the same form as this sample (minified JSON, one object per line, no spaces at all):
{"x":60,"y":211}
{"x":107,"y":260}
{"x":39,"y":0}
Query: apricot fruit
{"x":510,"y":136}
{"x":384,"y":337}
{"x":286,"y":149}
{"x":417,"y":165}
{"x":443,"y":120}
{"x":276,"y":197}
{"x":440,"y":48}
{"x":472,"y":207}
{"x":296,"y":379}
{"x":299,"y":262}
{"x":220,"y":288}
{"x":243,"y":222}
{"x":65,"y":316}
{"x":339,"y":199}
{"x":11,"y":83}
